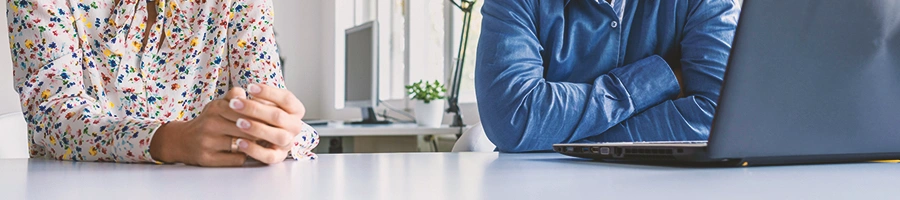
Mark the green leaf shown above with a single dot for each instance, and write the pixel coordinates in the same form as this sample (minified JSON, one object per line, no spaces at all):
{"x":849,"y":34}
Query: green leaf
{"x":426,"y":91}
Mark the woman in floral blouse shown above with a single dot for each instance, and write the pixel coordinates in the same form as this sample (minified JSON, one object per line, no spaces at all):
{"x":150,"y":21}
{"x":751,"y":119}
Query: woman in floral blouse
{"x":152,"y":81}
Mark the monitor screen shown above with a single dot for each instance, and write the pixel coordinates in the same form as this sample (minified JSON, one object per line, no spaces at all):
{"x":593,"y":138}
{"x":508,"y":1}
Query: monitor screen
{"x":360,"y":65}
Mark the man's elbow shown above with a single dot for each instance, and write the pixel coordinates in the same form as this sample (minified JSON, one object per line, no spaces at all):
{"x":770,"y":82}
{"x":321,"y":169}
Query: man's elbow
{"x":506,"y":142}
{"x":504,"y":121}
{"x":506,"y":138}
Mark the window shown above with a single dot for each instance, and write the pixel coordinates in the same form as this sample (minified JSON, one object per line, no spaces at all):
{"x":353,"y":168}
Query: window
{"x":392,"y":47}
{"x":413,"y":42}
{"x":426,"y":40}
{"x":467,"y":85}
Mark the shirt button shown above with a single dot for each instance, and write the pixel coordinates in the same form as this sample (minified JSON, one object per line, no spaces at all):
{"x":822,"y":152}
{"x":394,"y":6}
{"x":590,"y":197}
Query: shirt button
{"x":614,"y":24}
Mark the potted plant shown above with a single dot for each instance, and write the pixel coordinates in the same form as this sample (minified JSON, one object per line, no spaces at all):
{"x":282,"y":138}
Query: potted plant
{"x":429,"y":98}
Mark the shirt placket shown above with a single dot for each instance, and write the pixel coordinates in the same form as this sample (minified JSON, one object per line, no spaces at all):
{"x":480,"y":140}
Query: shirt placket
{"x":151,"y":51}
{"x":616,"y":7}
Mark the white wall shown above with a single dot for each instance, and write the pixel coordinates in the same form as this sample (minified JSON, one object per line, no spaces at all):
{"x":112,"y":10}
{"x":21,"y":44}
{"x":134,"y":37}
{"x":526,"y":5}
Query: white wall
{"x":298,"y":25}
{"x":306,"y":38}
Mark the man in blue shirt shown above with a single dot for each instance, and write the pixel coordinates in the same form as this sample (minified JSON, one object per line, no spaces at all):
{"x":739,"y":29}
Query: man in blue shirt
{"x":557,"y":71}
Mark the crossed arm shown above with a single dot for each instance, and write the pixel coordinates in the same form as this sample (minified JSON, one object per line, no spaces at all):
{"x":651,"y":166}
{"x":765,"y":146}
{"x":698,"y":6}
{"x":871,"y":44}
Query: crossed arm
{"x":521,"y":111}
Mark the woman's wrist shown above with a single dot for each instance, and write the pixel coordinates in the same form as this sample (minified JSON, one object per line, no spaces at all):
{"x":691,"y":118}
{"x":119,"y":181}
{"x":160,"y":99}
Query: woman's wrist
{"x":163,"y":146}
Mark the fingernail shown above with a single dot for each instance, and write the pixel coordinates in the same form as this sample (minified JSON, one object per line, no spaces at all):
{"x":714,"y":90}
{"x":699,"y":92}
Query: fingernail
{"x":243,"y":123}
{"x":241,"y":143}
{"x":253,"y":88}
{"x":236,"y":104}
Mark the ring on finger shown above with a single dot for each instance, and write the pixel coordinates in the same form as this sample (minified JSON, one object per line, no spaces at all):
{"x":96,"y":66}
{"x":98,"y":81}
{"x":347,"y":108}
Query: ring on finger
{"x":234,"y":144}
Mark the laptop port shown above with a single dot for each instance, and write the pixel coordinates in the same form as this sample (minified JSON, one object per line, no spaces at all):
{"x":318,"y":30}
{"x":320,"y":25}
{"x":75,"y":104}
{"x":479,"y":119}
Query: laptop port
{"x":595,"y":150}
{"x":604,"y":151}
{"x":618,"y":152}
{"x":585,"y":150}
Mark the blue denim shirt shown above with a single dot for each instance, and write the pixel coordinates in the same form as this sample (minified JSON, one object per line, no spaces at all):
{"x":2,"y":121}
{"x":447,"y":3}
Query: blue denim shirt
{"x":558,"y":71}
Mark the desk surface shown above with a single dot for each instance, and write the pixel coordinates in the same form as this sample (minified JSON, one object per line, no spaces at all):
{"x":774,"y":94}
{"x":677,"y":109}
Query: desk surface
{"x":443,"y":176}
{"x":395,"y":129}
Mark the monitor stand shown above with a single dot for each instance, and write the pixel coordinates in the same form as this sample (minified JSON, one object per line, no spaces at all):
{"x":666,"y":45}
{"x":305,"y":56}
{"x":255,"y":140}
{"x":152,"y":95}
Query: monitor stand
{"x":369,"y":117}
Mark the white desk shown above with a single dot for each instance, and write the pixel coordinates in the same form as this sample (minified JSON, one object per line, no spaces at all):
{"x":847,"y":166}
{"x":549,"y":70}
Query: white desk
{"x":415,"y":138}
{"x":395,"y":129}
{"x":443,"y":176}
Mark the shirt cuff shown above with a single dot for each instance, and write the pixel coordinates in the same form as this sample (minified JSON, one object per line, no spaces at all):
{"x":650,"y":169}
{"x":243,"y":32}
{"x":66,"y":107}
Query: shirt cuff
{"x":648,"y":81}
{"x":150,"y":127}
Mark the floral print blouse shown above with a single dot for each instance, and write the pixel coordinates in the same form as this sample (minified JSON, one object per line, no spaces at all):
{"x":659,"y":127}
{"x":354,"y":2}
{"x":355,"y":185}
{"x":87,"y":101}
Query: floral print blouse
{"x":90,"y":91}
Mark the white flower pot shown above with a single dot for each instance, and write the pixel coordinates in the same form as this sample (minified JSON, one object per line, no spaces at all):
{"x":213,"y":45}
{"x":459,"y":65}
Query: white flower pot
{"x":429,"y":114}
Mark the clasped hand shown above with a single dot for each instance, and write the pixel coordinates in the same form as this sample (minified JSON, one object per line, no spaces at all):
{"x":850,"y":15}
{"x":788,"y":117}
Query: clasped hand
{"x":261,"y":128}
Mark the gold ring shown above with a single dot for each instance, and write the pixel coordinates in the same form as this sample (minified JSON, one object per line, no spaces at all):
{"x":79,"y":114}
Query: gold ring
{"x":234,"y":145}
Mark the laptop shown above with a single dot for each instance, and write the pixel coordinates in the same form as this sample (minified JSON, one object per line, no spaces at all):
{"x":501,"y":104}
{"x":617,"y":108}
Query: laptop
{"x":807,"y":81}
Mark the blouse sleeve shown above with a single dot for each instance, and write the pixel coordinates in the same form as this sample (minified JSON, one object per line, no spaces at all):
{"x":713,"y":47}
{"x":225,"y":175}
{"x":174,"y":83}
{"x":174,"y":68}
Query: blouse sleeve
{"x":253,"y":55}
{"x":65,"y":119}
{"x":253,"y":58}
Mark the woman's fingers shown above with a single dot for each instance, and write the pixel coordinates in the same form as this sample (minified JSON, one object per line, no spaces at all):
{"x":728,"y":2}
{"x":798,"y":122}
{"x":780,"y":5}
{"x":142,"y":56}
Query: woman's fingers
{"x":227,"y":106}
{"x":235,"y":92}
{"x":279,"y":137}
{"x":236,"y":124}
{"x":264,"y":102}
{"x":266,"y":114}
{"x":262,"y":154}
{"x":284,"y":99}
{"x":224,"y":122}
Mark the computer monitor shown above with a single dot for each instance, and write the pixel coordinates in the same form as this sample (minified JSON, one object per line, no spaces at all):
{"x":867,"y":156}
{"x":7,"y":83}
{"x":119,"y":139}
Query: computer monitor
{"x":361,"y":71}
